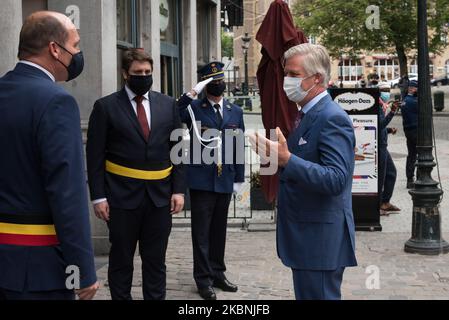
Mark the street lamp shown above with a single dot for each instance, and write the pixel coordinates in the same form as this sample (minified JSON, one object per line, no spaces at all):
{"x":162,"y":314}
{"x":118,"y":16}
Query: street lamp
{"x":245,"y":46}
{"x":426,"y":195}
{"x":340,"y":71}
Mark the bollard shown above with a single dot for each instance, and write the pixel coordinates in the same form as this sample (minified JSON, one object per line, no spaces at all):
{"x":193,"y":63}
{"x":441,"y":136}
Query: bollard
{"x":438,"y":100}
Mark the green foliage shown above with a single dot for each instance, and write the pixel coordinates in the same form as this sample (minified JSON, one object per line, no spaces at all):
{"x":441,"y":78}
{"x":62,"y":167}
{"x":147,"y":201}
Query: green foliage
{"x":340,"y":25}
{"x":227,"y":45}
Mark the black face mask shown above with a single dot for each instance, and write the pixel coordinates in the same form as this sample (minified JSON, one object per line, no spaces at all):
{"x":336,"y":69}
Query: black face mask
{"x":140,"y":84}
{"x":216,"y":89}
{"x":76,"y":66}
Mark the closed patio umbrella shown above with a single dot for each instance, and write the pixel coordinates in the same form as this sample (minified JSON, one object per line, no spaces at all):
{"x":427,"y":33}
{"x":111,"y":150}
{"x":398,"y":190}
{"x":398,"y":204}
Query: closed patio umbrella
{"x":276,"y":34}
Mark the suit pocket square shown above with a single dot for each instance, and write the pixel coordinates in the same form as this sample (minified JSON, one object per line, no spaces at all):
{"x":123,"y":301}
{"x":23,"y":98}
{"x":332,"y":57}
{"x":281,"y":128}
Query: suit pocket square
{"x":302,"y":142}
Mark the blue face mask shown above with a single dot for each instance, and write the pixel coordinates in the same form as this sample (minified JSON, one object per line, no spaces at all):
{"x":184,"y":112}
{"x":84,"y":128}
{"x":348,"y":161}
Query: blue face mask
{"x":76,"y":66}
{"x":385,"y":96}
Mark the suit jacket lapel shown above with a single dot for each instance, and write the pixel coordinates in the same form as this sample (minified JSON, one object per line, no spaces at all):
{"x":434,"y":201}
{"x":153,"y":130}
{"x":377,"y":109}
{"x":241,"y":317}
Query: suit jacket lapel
{"x":129,"y":111}
{"x":209,"y":111}
{"x":310,"y":117}
{"x":226,"y":112}
{"x":307,"y":122}
{"x":156,"y":112}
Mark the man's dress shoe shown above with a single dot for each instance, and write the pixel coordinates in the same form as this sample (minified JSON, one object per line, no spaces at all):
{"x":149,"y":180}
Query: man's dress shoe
{"x":225,"y":285}
{"x":207,"y":293}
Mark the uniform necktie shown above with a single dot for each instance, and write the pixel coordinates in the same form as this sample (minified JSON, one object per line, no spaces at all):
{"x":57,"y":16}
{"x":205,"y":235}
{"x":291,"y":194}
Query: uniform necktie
{"x":218,"y":115}
{"x":142,"y":117}
{"x":298,"y":119}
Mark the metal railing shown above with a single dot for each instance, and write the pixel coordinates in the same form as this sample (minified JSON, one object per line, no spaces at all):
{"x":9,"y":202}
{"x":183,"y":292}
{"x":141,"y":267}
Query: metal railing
{"x":241,"y":210}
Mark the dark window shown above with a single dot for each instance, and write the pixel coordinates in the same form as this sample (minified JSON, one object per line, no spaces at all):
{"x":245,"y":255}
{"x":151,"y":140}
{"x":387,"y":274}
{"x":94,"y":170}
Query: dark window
{"x":170,"y":30}
{"x":127,"y":31}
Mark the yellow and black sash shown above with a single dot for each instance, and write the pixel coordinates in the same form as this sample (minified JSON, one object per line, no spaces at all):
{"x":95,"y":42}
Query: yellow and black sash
{"x":142,"y":171}
{"x":27,"y":230}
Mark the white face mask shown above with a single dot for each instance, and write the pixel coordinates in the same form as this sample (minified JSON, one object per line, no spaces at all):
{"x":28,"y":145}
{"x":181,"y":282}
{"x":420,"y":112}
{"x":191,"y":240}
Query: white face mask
{"x":293,"y":89}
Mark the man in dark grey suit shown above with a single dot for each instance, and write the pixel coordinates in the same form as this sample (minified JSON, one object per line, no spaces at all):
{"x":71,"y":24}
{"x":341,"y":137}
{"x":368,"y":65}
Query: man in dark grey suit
{"x":133,"y":184}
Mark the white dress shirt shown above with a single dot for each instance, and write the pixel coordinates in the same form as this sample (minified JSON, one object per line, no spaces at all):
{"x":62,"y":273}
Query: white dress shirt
{"x":219,"y":103}
{"x":309,"y":105}
{"x":48,"y":73}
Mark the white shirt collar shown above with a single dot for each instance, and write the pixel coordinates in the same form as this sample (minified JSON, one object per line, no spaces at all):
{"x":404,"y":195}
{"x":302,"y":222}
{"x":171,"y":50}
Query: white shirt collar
{"x":132,"y":95}
{"x":309,"y":105}
{"x":212,"y":103}
{"x":32,"y":64}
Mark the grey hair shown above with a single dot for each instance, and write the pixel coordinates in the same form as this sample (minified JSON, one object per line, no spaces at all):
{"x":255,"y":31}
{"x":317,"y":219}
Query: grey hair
{"x":316,"y":60}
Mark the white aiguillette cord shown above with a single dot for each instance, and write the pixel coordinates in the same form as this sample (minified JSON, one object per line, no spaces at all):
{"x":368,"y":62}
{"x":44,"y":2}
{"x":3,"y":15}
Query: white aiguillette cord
{"x":201,"y":139}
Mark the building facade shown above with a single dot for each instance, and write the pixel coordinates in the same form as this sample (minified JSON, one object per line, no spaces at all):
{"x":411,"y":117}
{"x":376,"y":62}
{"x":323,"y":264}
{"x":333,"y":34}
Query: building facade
{"x":254,"y":12}
{"x":180,"y":35}
{"x":346,"y":69}
{"x":350,"y":70}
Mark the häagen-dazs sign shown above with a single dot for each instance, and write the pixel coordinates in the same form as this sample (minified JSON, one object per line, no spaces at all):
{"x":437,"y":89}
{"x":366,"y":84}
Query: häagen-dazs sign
{"x":357,"y":101}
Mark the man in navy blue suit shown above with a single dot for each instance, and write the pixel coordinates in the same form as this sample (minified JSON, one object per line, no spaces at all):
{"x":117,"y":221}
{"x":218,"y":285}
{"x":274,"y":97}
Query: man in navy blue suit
{"x":44,"y":217}
{"x":212,"y":184}
{"x":315,"y":227}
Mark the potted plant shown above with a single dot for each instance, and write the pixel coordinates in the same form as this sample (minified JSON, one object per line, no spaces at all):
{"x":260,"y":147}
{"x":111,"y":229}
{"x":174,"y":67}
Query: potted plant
{"x":257,"y":199}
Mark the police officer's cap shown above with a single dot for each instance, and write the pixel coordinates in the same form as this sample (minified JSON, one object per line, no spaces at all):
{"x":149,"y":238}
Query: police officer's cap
{"x":413,"y":83}
{"x":212,"y":70}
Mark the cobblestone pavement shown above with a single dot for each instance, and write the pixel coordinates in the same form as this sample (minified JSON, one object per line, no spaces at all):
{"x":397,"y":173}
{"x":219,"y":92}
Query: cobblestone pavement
{"x":253,"y":263}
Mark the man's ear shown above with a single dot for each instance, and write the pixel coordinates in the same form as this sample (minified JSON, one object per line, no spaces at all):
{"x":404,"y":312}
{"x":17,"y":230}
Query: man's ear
{"x":54,"y":50}
{"x":125,"y":75}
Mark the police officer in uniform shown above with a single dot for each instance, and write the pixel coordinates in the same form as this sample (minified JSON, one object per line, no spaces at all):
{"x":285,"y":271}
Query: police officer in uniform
{"x":211,"y":185}
{"x":409,"y":111}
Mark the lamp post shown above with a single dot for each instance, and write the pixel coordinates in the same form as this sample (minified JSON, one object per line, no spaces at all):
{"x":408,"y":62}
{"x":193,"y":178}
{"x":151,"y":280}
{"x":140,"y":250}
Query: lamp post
{"x":245,"y":46}
{"x":426,"y":195}
{"x":340,"y":71}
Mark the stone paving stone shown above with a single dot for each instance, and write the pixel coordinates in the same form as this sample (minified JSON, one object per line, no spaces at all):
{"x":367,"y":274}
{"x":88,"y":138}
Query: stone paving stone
{"x":253,"y":264}
{"x":398,"y":298}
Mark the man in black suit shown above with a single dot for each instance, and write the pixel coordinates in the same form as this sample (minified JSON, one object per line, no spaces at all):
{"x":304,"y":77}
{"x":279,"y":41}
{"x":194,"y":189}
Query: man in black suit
{"x":133,"y":184}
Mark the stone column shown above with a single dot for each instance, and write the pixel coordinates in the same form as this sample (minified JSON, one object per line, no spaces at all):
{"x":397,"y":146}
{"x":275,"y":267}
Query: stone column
{"x":215,"y":53}
{"x":10,"y":25}
{"x":151,"y":37}
{"x":189,"y":47}
{"x":97,"y":24}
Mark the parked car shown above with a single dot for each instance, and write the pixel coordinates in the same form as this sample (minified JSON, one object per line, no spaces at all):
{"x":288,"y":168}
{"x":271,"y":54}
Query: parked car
{"x":394,"y":84}
{"x":441,"y":81}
